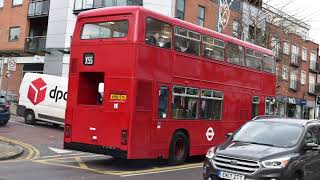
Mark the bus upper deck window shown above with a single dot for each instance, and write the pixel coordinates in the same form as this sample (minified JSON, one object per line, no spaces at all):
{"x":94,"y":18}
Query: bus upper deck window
{"x":158,"y":33}
{"x":110,"y":29}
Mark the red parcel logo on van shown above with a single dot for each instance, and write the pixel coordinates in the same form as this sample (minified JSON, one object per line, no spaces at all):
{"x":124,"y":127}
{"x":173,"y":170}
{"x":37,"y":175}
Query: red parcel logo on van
{"x":37,"y":91}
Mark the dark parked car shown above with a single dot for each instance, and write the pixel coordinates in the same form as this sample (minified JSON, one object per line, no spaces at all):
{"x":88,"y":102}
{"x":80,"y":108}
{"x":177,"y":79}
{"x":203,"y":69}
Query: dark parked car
{"x":267,"y":149}
{"x":4,"y":111}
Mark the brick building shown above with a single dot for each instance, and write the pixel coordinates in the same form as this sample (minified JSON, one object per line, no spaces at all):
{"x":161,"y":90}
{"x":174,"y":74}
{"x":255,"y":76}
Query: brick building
{"x":23,"y":27}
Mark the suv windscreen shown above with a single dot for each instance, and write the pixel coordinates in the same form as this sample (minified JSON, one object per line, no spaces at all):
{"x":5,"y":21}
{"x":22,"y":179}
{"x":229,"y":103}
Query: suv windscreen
{"x":269,"y":133}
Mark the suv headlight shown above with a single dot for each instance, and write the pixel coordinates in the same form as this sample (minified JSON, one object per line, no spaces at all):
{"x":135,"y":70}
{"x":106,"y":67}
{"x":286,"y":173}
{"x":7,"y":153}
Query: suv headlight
{"x":210,"y":153}
{"x":276,"y":163}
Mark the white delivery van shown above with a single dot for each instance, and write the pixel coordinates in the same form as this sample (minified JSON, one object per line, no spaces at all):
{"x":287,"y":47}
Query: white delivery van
{"x":43,"y":97}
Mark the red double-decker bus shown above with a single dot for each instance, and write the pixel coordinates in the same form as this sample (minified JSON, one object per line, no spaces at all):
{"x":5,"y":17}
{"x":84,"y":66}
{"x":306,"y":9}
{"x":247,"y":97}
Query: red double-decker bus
{"x":144,"y":85}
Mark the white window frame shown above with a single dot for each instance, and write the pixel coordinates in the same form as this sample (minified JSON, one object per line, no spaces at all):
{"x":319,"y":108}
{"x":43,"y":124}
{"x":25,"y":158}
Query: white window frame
{"x":312,"y":83}
{"x":235,"y":28}
{"x":293,"y":79}
{"x":303,"y":77}
{"x":275,"y":45}
{"x":313,"y":60}
{"x":285,"y":72}
{"x":14,"y":3}
{"x":286,"y":47}
{"x":304,"y":55}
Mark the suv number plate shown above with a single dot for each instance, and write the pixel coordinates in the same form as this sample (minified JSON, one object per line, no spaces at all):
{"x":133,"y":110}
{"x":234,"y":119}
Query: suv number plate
{"x":231,"y":176}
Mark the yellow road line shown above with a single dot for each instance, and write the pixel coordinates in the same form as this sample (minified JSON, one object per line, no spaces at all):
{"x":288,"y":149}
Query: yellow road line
{"x":156,"y":170}
{"x":81,"y":164}
{"x":33,"y":153}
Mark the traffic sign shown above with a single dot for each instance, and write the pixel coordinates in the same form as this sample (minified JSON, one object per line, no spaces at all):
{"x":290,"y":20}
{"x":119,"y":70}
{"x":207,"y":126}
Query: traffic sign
{"x":12,"y":65}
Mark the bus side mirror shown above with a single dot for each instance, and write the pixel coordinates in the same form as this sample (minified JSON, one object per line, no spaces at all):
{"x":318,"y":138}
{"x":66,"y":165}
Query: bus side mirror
{"x":228,"y":135}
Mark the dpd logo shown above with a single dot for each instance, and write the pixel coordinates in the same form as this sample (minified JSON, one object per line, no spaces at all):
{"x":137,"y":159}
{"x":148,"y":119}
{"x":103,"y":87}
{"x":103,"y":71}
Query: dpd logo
{"x":37,"y":91}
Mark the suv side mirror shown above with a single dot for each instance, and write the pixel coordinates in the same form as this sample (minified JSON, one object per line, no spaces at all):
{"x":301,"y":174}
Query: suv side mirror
{"x":228,"y":135}
{"x":312,"y":146}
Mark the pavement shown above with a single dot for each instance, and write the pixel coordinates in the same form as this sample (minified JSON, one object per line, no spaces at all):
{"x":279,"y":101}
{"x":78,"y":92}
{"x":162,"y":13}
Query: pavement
{"x":9,"y":150}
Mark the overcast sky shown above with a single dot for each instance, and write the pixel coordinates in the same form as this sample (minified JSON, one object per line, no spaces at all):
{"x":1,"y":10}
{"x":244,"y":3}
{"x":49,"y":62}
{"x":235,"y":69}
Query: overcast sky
{"x":307,"y":10}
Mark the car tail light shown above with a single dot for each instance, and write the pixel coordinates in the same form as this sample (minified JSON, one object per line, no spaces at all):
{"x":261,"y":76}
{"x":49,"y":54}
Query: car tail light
{"x":67,"y":130}
{"x":124,"y":137}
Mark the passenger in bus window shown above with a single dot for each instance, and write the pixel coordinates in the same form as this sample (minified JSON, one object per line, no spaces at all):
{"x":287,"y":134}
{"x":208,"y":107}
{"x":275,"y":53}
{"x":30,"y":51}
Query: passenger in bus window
{"x":153,"y":39}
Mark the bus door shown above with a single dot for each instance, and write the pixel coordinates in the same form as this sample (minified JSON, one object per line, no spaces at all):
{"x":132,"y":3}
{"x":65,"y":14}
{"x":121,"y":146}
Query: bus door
{"x":160,"y":124}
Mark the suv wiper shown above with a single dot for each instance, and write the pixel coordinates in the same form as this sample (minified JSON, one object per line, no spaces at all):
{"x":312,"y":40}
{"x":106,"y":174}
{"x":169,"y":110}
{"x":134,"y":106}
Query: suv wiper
{"x":252,"y":142}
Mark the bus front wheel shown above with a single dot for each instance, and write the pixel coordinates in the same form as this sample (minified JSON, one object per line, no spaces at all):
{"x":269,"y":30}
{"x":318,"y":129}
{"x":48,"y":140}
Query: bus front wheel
{"x":179,"y":148}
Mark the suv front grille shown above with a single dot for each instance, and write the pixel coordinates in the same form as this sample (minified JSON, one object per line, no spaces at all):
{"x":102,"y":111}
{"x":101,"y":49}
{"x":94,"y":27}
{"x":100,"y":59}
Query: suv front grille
{"x":236,"y":164}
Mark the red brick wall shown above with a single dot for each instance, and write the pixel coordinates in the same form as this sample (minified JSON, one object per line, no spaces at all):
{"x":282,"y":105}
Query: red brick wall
{"x":10,"y":17}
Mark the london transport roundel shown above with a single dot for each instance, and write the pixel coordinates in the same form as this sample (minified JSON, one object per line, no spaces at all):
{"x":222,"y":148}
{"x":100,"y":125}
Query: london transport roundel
{"x":210,"y":134}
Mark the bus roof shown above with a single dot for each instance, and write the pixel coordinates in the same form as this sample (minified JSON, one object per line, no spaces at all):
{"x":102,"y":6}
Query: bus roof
{"x":174,"y":21}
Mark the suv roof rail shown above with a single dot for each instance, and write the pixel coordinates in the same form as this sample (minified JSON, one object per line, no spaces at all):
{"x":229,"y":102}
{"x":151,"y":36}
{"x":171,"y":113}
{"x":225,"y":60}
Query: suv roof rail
{"x":265,"y":117}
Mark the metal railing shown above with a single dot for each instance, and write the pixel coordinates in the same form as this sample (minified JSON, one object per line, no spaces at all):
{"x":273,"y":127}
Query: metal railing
{"x":35,"y":44}
{"x":38,"y":8}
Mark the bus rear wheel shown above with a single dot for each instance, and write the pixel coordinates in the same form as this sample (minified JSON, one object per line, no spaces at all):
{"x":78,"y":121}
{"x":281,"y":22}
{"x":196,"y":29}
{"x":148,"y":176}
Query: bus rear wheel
{"x":179,"y":148}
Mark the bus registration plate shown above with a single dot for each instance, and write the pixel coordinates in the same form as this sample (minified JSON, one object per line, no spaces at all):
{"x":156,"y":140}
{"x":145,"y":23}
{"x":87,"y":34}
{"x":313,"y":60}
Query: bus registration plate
{"x":118,"y":97}
{"x":231,"y":176}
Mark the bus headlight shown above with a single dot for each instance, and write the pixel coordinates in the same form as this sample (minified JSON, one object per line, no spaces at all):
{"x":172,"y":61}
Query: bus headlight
{"x":211,"y":152}
{"x":276,"y":163}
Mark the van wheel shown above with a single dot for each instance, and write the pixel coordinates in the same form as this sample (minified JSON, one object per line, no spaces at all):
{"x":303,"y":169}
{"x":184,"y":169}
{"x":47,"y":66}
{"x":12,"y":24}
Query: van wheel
{"x":179,"y":148}
{"x":29,"y":117}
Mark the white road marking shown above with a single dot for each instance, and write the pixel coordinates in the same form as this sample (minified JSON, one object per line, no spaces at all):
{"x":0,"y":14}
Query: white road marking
{"x":59,"y":151}
{"x":162,"y":171}
{"x":15,"y":122}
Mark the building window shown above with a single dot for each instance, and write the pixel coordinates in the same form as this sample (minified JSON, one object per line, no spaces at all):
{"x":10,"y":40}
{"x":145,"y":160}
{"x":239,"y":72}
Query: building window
{"x":235,"y":54}
{"x":235,"y":28}
{"x":1,"y":3}
{"x":313,"y":60}
{"x":312,"y":83}
{"x":201,"y":15}
{"x":294,"y":54}
{"x":180,"y":9}
{"x":213,"y":48}
{"x":286,"y":47}
{"x":304,"y":54}
{"x":293,"y":79}
{"x":285,"y":70}
{"x":158,"y":33}
{"x":275,"y":45}
{"x":89,"y":4}
{"x":14,"y":34}
{"x":303,"y":77}
{"x":16,"y":2}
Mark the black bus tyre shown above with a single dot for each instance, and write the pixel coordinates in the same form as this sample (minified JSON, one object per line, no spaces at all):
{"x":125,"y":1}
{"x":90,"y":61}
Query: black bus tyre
{"x":29,"y":117}
{"x":179,"y":148}
{"x":297,"y":176}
